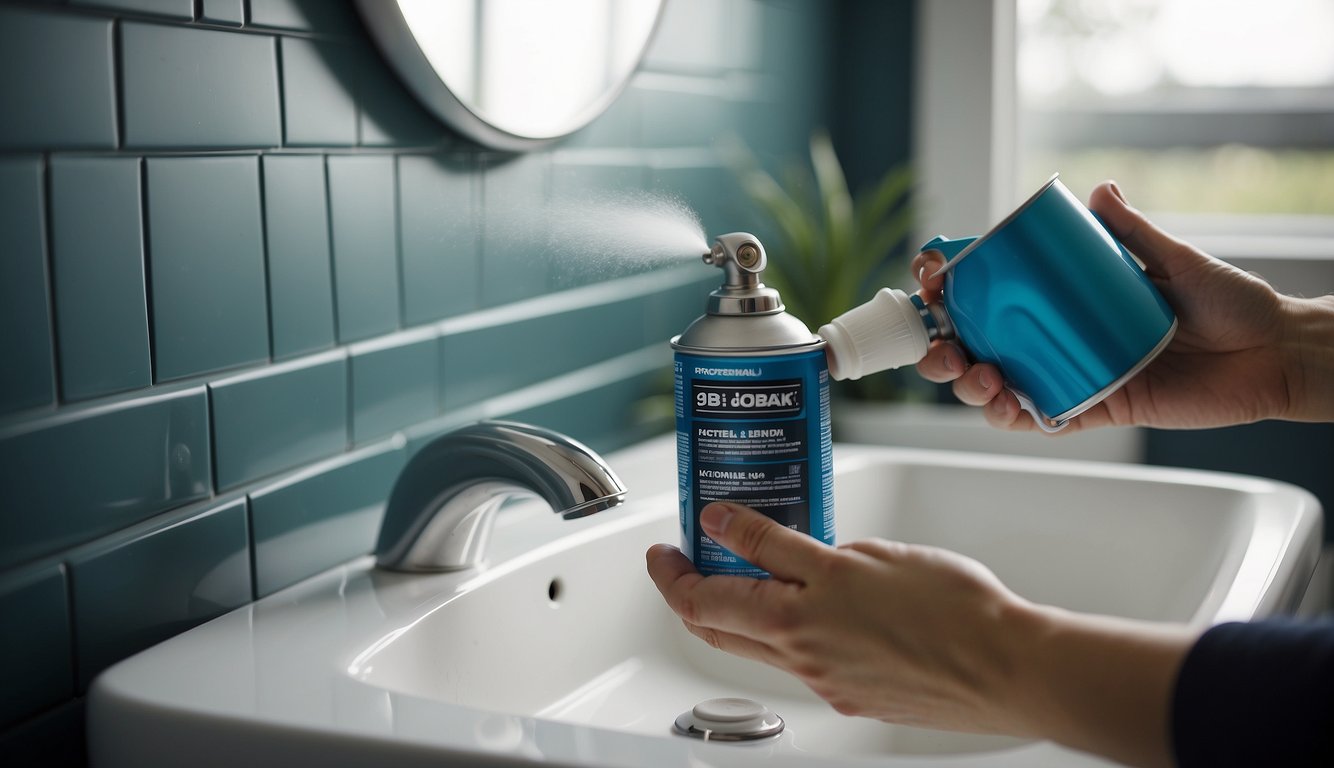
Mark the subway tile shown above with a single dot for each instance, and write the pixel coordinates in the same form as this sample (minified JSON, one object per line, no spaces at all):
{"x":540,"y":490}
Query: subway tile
{"x":25,"y":344}
{"x":668,"y":312}
{"x":682,"y":118}
{"x":606,"y":417}
{"x":97,"y":255}
{"x":439,"y":220}
{"x":87,"y":472}
{"x":394,"y":386}
{"x":305,"y":15}
{"x":278,"y":418}
{"x":173,"y":9}
{"x":573,"y":182}
{"x":787,"y":54}
{"x":206,"y":264}
{"x":711,"y":191}
{"x":34,"y":625}
{"x":692,"y":36}
{"x":231,"y":12}
{"x":365,"y":247}
{"x":489,"y":361}
{"x":57,"y":88}
{"x":184,"y":87}
{"x":324,"y":516}
{"x":281,"y":14}
{"x":296,"y":229}
{"x":318,"y":103}
{"x":586,"y":198}
{"x":515,"y":226}
{"x":137,"y":589}
{"x":771,"y":134}
{"x":390,"y":116}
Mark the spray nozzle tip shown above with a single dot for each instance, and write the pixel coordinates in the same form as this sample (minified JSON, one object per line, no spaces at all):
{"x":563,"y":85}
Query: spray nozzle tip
{"x":739,"y":248}
{"x":748,"y":255}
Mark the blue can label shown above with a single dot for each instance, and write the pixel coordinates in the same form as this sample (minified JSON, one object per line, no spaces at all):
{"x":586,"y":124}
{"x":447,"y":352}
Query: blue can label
{"x":754,"y":430}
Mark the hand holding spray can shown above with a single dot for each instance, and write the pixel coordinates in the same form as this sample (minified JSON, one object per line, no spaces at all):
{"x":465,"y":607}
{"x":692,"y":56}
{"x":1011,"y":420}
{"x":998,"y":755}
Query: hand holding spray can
{"x":752,"y":411}
{"x":1048,"y":296}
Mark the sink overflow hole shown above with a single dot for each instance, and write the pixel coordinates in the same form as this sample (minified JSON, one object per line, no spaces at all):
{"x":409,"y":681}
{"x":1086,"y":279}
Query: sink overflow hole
{"x":554,"y":590}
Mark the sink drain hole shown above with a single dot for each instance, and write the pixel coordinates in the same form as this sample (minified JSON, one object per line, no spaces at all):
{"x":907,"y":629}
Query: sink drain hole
{"x":729,"y":719}
{"x":554,"y":590}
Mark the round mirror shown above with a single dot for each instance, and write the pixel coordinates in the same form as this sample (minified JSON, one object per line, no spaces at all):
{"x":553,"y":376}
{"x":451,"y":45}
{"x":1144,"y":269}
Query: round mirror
{"x":513,"y":74}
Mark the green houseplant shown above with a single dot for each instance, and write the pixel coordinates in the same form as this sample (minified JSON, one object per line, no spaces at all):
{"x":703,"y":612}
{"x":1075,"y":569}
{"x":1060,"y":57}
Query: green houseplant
{"x":830,"y":250}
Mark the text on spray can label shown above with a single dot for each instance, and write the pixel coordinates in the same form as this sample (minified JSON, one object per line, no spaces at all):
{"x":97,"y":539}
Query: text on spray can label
{"x":753,"y":430}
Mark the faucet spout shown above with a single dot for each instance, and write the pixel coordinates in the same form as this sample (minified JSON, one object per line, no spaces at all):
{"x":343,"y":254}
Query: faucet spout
{"x":440,"y":512}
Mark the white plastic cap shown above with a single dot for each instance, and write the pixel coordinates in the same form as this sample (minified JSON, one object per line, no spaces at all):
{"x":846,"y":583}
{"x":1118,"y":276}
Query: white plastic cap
{"x":885,"y":332}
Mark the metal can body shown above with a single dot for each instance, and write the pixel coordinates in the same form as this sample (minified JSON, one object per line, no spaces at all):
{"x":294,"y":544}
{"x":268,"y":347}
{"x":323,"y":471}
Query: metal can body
{"x":1056,"y":302}
{"x":753,"y":428}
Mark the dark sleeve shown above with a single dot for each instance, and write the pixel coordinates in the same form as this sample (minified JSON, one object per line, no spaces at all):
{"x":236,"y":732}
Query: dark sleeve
{"x":1257,"y":694}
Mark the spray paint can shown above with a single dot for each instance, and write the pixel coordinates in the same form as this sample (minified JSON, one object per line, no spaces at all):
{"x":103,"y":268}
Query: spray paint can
{"x":752,"y":411}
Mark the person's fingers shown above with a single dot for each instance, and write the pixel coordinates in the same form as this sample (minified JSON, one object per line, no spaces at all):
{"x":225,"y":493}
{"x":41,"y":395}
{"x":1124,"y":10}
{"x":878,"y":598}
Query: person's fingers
{"x":924,"y":267}
{"x":1163,"y":255}
{"x":979,"y":384}
{"x":737,"y":605}
{"x":1004,"y":412}
{"x":738,"y":645}
{"x":781,"y":551}
{"x":944,"y":362}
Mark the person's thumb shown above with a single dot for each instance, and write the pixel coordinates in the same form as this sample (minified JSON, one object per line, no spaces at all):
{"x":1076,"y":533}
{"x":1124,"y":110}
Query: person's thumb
{"x":781,"y":551}
{"x":1163,"y":255}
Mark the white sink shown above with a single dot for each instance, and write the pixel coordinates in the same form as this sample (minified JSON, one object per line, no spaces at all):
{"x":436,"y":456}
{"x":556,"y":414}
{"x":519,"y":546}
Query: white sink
{"x":562,"y":651}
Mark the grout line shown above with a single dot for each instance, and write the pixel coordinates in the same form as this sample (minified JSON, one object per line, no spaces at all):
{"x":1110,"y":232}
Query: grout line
{"x":349,"y":407}
{"x":214,"y":481}
{"x":398,"y":245}
{"x":145,"y":255}
{"x":118,"y":84}
{"x":281,"y":77}
{"x":68,"y":573}
{"x":197,"y":22}
{"x":264,"y":254}
{"x":329,"y":227}
{"x":440,"y":148}
{"x":250,"y":541}
{"x":49,"y":277}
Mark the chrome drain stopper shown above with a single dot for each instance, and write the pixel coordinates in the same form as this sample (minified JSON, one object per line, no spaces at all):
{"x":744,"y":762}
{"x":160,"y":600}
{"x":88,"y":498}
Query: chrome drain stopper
{"x":729,"y":719}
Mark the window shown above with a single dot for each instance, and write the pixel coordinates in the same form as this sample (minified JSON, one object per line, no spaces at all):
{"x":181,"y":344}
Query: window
{"x":1196,"y":107}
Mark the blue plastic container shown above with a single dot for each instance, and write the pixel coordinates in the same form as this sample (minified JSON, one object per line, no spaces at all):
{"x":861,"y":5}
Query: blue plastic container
{"x":1053,"y":300}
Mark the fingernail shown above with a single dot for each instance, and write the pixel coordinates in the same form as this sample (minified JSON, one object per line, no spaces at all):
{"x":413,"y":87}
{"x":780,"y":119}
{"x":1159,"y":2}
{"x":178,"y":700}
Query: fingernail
{"x":949,"y":363}
{"x":715,"y":518}
{"x":984,"y":380}
{"x":1117,"y":191}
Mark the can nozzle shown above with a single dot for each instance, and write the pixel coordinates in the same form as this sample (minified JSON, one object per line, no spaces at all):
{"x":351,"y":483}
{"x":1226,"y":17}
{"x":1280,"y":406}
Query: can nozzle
{"x":739,"y":254}
{"x":742,"y":259}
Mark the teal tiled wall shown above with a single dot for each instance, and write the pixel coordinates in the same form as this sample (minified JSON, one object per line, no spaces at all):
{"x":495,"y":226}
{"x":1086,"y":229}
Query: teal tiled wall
{"x":243,"y":276}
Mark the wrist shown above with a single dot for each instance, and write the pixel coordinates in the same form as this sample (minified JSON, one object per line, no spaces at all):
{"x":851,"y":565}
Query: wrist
{"x":1098,"y":684}
{"x":1308,"y":358}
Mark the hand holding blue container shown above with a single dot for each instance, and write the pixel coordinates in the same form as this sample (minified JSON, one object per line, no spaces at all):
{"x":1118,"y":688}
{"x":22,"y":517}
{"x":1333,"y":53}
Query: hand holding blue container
{"x":1048,"y":296}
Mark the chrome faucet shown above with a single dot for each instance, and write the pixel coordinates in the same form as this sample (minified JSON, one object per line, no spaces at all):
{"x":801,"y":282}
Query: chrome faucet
{"x":441,"y":510}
